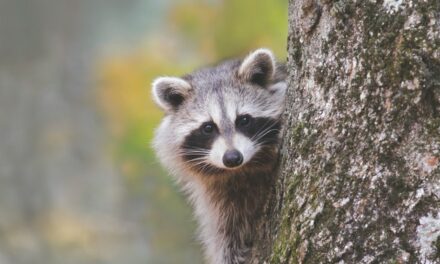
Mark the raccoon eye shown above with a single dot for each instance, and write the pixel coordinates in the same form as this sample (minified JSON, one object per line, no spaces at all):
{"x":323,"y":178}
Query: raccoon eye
{"x":243,"y":121}
{"x":208,"y":128}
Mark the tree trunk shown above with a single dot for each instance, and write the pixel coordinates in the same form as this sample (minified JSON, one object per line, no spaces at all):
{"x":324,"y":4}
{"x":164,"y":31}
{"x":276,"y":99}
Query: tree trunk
{"x":359,"y":176}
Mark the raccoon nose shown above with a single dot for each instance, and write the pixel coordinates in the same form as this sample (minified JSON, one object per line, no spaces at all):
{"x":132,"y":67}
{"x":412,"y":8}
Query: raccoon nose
{"x":232,"y":158}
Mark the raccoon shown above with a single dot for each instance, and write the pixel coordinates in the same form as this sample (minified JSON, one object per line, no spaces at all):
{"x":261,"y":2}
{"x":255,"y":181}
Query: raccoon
{"x":220,"y":138}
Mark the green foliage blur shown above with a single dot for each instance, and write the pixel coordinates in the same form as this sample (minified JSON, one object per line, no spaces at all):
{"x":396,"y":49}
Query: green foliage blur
{"x":194,"y":33}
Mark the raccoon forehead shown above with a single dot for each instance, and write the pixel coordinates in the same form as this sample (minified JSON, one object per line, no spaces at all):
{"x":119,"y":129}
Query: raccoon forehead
{"x":223,"y":103}
{"x":226,"y":103}
{"x":213,"y":108}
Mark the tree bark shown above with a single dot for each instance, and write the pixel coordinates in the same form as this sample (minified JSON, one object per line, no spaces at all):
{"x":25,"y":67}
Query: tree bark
{"x":359,"y":178}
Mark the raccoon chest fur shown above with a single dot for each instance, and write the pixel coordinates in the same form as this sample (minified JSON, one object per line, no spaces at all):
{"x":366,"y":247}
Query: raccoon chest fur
{"x":229,"y":213}
{"x":220,"y":139}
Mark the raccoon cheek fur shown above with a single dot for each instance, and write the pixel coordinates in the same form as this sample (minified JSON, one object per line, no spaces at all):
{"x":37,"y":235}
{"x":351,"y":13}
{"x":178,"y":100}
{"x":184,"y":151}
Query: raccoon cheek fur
{"x":220,"y":139}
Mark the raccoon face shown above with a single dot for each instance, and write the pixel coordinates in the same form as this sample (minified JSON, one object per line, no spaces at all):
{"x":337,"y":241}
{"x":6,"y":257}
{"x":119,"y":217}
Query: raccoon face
{"x":222,"y":119}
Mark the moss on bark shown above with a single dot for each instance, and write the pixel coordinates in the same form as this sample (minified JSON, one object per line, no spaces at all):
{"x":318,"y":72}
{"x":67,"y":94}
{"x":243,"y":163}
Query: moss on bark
{"x":360,"y":159}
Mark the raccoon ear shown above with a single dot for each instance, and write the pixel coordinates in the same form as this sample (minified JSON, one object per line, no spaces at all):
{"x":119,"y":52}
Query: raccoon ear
{"x":258,"y":67}
{"x":170,"y":92}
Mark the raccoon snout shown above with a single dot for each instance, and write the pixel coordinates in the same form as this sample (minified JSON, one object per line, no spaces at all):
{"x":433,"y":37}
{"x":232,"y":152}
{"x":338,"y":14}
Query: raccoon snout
{"x":232,"y":158}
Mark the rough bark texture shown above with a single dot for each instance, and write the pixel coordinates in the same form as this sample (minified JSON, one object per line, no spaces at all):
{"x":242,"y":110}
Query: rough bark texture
{"x":360,"y":175}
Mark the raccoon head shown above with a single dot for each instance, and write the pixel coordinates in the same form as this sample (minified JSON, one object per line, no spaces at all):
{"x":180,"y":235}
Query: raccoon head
{"x":222,"y":119}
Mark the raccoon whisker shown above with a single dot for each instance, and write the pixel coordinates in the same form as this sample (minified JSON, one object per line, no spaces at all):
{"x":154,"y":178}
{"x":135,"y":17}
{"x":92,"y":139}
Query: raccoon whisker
{"x":265,"y":133}
{"x":199,"y":163}
{"x":195,"y":151}
{"x":196,"y":148}
{"x":198,"y":160}
{"x":203,"y":168}
{"x":198,"y":166}
{"x":263,"y":127}
{"x":263,"y":130}
{"x":268,"y":127}
{"x":196,"y":154}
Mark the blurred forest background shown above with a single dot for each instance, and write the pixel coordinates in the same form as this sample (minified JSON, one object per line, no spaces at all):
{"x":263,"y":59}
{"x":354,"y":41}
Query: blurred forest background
{"x":78,"y":180}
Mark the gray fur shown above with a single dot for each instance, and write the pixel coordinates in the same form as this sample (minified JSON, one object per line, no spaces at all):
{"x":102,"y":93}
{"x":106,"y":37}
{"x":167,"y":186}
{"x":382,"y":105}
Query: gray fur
{"x":227,"y":205}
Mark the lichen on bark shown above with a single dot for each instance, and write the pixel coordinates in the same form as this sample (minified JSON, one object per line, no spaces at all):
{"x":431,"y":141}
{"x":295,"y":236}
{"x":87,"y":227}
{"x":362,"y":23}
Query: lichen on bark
{"x":359,"y":175}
